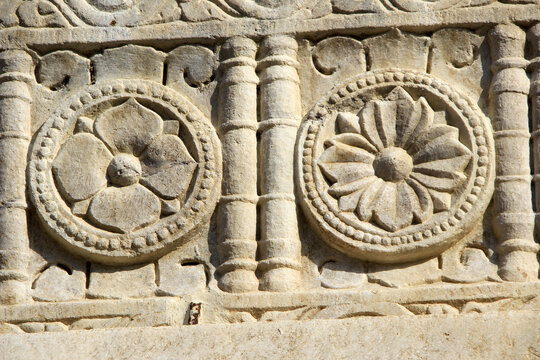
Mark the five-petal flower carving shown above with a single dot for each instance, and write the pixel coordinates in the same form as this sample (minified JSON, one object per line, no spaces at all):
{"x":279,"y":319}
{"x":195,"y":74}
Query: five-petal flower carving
{"x":120,"y":170}
{"x":391,"y":164}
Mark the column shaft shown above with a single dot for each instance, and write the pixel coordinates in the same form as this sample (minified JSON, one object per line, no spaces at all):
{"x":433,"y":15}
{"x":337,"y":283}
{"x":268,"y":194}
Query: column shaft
{"x":279,"y":246}
{"x":534,"y":33}
{"x":238,"y":126}
{"x":514,"y":217}
{"x":16,"y":68}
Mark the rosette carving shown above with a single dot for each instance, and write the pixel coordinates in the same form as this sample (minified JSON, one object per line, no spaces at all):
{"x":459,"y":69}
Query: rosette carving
{"x":126,"y":160}
{"x":124,"y":171}
{"x":395,"y":166}
{"x":391,"y":165}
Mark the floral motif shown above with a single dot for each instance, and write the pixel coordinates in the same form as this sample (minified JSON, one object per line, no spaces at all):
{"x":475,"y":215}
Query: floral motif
{"x":123,"y":171}
{"x":391,"y":164}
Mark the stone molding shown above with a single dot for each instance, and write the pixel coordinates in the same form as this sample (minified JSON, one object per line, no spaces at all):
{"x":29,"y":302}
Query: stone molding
{"x":351,"y":170}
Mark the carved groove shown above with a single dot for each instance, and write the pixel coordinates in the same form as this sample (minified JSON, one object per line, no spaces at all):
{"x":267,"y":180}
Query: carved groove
{"x":280,"y":105}
{"x":15,"y":123}
{"x":509,"y":90}
{"x":238,"y":209}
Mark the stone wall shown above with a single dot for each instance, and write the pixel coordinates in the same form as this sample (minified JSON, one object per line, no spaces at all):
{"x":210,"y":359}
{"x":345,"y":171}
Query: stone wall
{"x":208,"y":162}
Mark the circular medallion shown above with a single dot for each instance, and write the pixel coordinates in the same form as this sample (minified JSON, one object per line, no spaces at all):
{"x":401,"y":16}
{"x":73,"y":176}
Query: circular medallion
{"x":124,"y":170}
{"x":394,"y":166}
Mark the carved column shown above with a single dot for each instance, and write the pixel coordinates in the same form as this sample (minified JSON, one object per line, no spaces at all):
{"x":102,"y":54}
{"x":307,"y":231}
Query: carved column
{"x":279,"y":246}
{"x":534,"y":33}
{"x":238,"y":207}
{"x":514,"y":217}
{"x":16,"y":67}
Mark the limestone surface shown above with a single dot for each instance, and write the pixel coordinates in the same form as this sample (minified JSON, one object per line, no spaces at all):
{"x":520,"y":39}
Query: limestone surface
{"x":269,"y":179}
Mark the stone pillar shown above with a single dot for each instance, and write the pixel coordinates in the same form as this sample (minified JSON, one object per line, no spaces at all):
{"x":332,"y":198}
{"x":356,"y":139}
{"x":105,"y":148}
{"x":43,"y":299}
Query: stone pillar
{"x":534,"y":34}
{"x":238,"y":127}
{"x":514,"y":217}
{"x":16,"y":69}
{"x":279,"y":246}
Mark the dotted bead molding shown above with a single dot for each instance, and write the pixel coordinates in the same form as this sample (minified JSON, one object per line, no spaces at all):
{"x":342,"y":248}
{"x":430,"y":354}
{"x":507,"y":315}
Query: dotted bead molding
{"x":124,"y":247}
{"x":326,"y":214}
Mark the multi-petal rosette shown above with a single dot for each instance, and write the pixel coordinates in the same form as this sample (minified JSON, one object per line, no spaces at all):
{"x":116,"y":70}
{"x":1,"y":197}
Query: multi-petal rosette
{"x":123,"y":171}
{"x":391,"y":164}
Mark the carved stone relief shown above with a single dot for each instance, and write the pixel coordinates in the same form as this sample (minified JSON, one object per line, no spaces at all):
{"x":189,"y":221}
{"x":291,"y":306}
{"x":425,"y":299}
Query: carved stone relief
{"x":133,"y":13}
{"x":195,"y":162}
{"x":389,"y":177}
{"x":116,"y":180}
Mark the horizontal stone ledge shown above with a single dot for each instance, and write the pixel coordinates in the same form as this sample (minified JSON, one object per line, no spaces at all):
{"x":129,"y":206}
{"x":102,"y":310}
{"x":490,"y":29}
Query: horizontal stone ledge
{"x":512,"y":335}
{"x":168,"y":310}
{"x":432,"y":293}
{"x":168,"y":33}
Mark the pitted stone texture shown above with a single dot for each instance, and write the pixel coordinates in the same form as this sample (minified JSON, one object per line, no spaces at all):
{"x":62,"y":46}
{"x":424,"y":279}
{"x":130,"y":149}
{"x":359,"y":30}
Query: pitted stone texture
{"x":123,"y":108}
{"x":340,"y":275}
{"x":78,"y":13}
{"x":409,"y":51}
{"x":391,"y":163}
{"x":473,"y":336}
{"x":63,"y":70}
{"x":124,"y":209}
{"x":73,"y":161}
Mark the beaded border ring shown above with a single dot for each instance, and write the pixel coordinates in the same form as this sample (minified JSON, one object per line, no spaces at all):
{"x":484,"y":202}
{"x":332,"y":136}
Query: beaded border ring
{"x":361,"y":239}
{"x":153,"y":240}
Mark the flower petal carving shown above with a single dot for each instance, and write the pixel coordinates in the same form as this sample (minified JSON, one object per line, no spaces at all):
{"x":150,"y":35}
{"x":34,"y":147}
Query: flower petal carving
{"x":421,"y":202}
{"x":167,"y":167}
{"x":124,"y":209}
{"x":128,"y":128}
{"x":80,"y":167}
{"x":348,"y":123}
{"x":391,"y":164}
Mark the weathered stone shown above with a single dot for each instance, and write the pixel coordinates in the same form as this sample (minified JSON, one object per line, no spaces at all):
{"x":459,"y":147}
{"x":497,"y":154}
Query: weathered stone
{"x":200,"y":162}
{"x":57,"y":284}
{"x":55,"y":326}
{"x":88,"y":324}
{"x":414,"y":274}
{"x":177,"y":280}
{"x":167,"y":167}
{"x":116,"y":283}
{"x":63,"y":70}
{"x":124,"y":209}
{"x":80,"y":176}
{"x":485,"y":336}
{"x":336,"y":275}
{"x":32,"y":327}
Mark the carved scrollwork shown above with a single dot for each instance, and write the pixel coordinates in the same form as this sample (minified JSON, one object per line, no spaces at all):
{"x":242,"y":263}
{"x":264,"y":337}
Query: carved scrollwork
{"x":265,"y":9}
{"x":122,"y":12}
{"x":423,"y":5}
{"x":124,"y":170}
{"x":133,"y":13}
{"x":394,"y":166}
